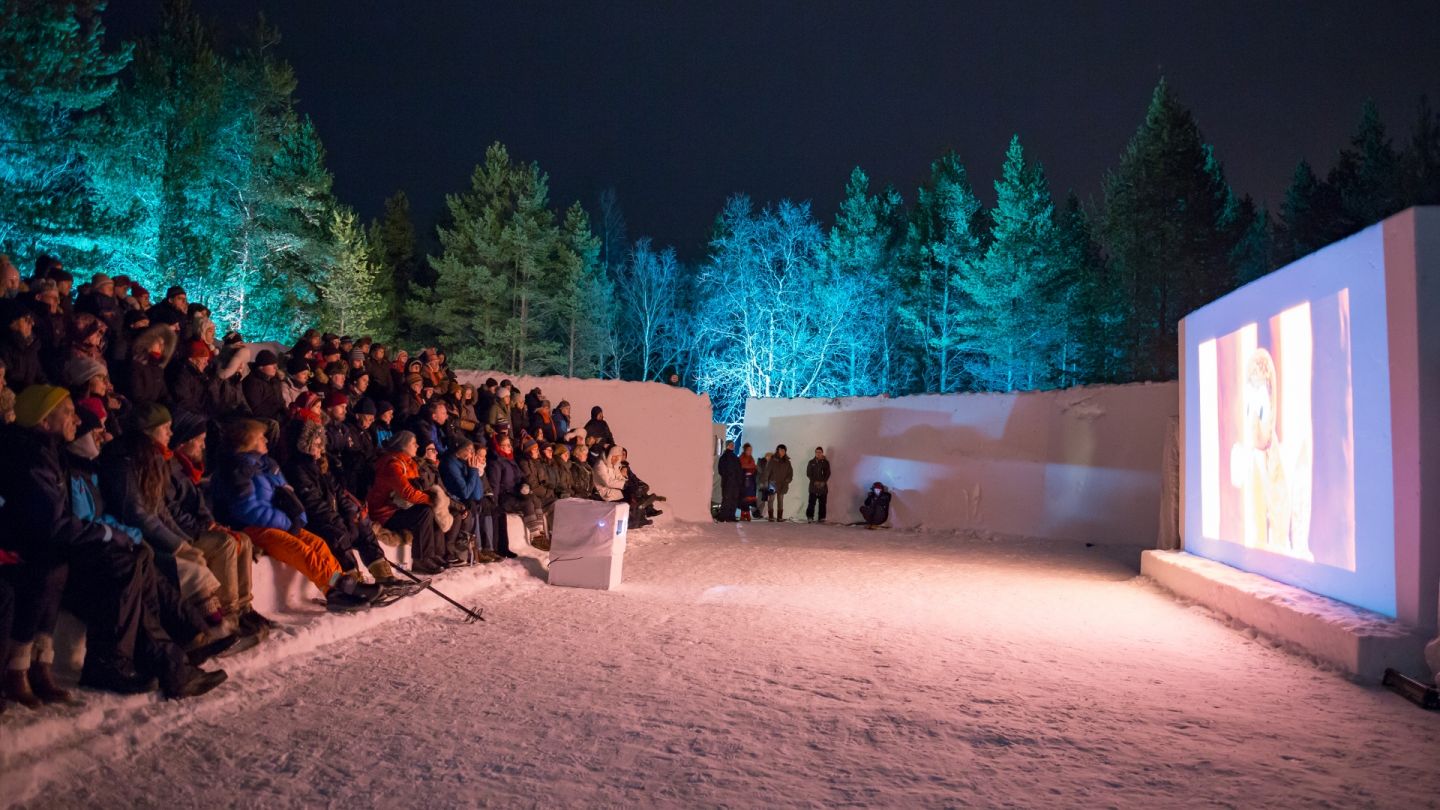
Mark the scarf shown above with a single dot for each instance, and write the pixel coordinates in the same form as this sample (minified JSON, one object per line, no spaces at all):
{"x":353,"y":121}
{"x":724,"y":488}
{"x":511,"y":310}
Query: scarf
{"x":195,"y":471}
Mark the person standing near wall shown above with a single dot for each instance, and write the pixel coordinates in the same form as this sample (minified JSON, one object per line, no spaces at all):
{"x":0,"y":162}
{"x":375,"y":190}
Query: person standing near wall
{"x":748,"y":479}
{"x":730,"y":480}
{"x":778,"y":475}
{"x":818,"y":472}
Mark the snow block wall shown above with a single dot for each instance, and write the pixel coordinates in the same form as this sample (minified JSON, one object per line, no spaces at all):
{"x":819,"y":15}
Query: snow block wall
{"x":1078,"y":464}
{"x":666,"y":430}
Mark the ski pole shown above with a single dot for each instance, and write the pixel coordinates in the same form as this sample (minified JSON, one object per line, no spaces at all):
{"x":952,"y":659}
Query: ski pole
{"x":473,"y":614}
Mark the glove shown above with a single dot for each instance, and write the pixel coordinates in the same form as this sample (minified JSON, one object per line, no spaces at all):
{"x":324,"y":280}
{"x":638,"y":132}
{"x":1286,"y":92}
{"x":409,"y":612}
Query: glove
{"x":524,"y":489}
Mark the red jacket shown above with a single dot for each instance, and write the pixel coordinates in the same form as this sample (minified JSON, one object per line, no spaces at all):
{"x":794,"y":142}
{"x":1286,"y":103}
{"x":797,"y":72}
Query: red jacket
{"x":393,"y":474}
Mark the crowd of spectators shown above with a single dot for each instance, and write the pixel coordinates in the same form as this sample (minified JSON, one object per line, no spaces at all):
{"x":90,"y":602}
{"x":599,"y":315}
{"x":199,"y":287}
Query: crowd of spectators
{"x":149,"y":461}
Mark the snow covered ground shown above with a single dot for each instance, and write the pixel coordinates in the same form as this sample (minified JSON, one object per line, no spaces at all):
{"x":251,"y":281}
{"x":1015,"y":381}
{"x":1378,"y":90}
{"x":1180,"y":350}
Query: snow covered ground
{"x":782,"y":665}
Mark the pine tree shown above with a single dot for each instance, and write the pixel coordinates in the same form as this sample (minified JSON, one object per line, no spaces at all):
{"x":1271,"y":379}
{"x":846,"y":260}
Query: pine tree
{"x":392,"y":244}
{"x":55,"y":73}
{"x":1254,"y":254}
{"x":581,"y":289}
{"x":1421,"y":161}
{"x":1170,"y":227}
{"x":944,"y":240}
{"x":862,"y":247}
{"x":1012,"y":313}
{"x":1096,"y":301}
{"x":1366,"y":176}
{"x":350,"y":287}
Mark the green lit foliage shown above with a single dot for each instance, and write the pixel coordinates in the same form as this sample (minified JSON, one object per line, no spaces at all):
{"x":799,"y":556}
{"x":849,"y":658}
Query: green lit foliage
{"x":351,"y":287}
{"x":944,"y":240}
{"x":863,"y":249}
{"x":55,"y":76}
{"x":504,"y":295}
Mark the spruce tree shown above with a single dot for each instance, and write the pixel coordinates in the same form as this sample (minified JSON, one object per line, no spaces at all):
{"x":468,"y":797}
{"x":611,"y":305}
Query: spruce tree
{"x":55,"y":74}
{"x":579,"y":284}
{"x":944,"y":240}
{"x":350,"y":287}
{"x":1012,"y":314}
{"x":1095,"y":301}
{"x":862,"y":248}
{"x":1366,"y":176}
{"x":392,"y":245}
{"x":1170,"y":227}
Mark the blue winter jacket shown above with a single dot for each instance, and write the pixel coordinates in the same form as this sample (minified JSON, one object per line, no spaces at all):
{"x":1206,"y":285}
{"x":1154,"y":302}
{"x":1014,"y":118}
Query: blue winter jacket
{"x":245,"y":494}
{"x":463,"y":482}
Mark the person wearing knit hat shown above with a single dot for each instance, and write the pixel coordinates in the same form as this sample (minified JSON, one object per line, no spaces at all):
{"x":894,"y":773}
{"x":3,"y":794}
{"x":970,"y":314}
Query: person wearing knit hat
{"x":147,"y":416}
{"x":335,"y":399}
{"x":100,"y":281}
{"x":186,"y":427}
{"x":262,"y":388}
{"x":49,"y":407}
{"x":80,"y":370}
{"x":265,"y":357}
{"x":357,"y":358}
{"x":366,"y":405}
{"x":295,"y":365}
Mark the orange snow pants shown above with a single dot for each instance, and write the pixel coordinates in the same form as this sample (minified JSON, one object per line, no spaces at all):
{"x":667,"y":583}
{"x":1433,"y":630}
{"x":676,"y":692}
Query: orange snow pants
{"x":304,"y":552}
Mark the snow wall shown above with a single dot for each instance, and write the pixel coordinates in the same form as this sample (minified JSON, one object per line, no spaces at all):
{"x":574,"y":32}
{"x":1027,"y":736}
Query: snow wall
{"x":666,"y":430}
{"x":1077,"y":464}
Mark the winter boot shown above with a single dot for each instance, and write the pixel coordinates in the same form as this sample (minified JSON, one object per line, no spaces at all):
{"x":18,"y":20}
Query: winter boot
{"x":42,"y":683}
{"x":382,"y":572}
{"x":114,"y":676}
{"x":16,"y":687}
{"x":349,"y":593}
{"x":194,"y":683}
{"x":207,"y":647}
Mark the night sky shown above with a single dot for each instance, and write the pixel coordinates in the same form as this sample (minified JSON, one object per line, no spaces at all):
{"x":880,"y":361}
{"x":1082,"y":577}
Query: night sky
{"x":678,"y":105}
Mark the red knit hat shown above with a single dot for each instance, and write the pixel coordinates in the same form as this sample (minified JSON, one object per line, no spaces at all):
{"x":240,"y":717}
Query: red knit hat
{"x":198,"y":348}
{"x":336,"y":399}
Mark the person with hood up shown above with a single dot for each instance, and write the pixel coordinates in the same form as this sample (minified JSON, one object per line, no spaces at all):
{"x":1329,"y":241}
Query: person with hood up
{"x":143,"y":378}
{"x":599,"y":428}
{"x":609,"y":478}
{"x":876,"y":509}
{"x":19,"y":349}
{"x":330,"y":511}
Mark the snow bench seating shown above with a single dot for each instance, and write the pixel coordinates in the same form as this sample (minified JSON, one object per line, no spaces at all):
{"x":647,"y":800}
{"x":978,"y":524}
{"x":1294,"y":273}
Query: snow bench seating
{"x":279,"y":590}
{"x":1358,"y":641}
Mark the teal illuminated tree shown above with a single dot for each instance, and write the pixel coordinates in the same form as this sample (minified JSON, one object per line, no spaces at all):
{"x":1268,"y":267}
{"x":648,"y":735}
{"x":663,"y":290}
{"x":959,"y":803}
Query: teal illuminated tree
{"x":944,"y":241}
{"x":1012,"y":315}
{"x":55,"y":75}
{"x":863,"y":249}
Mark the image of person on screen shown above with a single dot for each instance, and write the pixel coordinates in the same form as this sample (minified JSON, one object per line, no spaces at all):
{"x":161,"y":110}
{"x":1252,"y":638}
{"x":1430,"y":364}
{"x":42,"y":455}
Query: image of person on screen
{"x":1260,"y":467}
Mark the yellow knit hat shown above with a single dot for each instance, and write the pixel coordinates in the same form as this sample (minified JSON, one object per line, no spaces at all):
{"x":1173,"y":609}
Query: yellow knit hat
{"x":36,"y":402}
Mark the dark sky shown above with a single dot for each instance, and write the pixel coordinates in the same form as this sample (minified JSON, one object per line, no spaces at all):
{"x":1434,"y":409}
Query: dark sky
{"x":678,"y":105}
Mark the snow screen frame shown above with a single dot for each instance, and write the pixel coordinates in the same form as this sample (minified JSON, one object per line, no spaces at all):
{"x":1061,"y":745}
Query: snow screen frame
{"x":1244,"y":357}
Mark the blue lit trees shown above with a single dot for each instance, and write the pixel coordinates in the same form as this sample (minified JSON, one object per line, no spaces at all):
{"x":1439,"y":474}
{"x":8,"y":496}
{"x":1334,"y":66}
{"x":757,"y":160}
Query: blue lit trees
{"x":648,"y":291}
{"x":863,"y":250}
{"x":945,"y":241}
{"x":771,"y":310}
{"x":55,"y":75}
{"x":1012,"y":316}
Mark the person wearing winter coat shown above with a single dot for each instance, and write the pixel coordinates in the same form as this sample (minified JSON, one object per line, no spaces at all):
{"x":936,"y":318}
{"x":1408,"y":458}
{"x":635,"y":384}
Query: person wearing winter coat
{"x":143,"y":377}
{"x":228,"y":552}
{"x":252,"y":495}
{"x":749,"y":480}
{"x":296,"y":382}
{"x":609,"y":478}
{"x":330,"y":511}
{"x":542,"y":424}
{"x":192,"y":388}
{"x":876,"y":509}
{"x":135,"y":477}
{"x":19,"y":348}
{"x":731,"y":479}
{"x":561,"y":415}
{"x":263,"y":389}
{"x":817,"y":472}
{"x":579,"y":475}
{"x":599,"y":428}
{"x":504,"y":480}
{"x":382,"y":383}
{"x":462,"y":472}
{"x":778,"y":475}
{"x":397,"y":503}
{"x":126,"y":644}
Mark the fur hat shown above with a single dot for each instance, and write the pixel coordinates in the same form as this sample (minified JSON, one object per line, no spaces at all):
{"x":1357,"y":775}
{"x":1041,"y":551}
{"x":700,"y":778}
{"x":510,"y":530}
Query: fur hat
{"x":309,"y":432}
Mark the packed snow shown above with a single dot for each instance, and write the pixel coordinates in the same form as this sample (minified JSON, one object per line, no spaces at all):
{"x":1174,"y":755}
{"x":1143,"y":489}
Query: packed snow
{"x":776,"y":665}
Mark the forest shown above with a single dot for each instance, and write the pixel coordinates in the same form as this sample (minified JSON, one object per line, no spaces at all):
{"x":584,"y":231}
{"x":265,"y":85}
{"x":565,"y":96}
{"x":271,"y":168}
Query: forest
{"x":177,"y":159}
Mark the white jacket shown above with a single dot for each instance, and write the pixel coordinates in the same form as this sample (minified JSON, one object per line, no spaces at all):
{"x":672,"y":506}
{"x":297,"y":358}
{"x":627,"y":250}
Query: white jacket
{"x":609,"y":481}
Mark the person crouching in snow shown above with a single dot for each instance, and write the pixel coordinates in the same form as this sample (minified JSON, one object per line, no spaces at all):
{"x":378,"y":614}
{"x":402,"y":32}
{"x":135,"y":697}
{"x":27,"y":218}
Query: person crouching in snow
{"x":876,"y":509}
{"x":252,"y":495}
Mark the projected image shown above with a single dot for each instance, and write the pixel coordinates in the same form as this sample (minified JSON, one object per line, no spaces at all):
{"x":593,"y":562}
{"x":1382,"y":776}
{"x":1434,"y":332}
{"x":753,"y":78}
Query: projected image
{"x":1277,"y":444}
